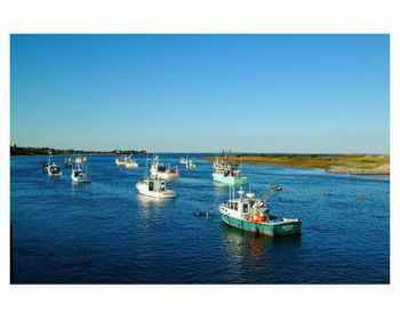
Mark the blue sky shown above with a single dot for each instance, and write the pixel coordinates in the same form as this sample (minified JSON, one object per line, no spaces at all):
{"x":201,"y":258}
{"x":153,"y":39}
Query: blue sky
{"x":202,"y":93}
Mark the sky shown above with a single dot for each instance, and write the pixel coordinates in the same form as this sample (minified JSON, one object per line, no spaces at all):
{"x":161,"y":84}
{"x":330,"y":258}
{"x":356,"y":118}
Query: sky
{"x":201,"y":93}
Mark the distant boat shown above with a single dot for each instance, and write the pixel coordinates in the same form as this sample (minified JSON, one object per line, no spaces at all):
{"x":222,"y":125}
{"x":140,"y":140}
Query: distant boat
{"x":126,"y":161}
{"x":155,"y":188}
{"x":183,"y":160}
{"x":187,"y":162}
{"x":130,"y":163}
{"x":51,"y":168}
{"x":79,"y":173}
{"x":190,"y":165}
{"x":227,"y":173}
{"x":161,"y":171}
{"x":251,"y":214}
{"x":80,"y":159}
{"x":120,"y":160}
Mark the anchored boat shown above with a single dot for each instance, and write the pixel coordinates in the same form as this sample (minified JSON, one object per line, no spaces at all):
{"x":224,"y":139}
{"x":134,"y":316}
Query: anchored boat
{"x":130,"y":163}
{"x":183,"y":160}
{"x":79,"y":173}
{"x":155,"y":188}
{"x":120,"y":160}
{"x":51,"y":168}
{"x":251,"y":214}
{"x":161,"y":171}
{"x":190,"y":165}
{"x":227,"y":173}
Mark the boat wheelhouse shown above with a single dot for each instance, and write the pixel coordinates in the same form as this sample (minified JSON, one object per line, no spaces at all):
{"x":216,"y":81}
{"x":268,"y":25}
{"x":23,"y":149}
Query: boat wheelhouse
{"x":155,"y":188}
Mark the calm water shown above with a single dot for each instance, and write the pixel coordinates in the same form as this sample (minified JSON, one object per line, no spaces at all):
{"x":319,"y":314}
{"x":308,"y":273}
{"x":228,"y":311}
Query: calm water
{"x":104,"y":233}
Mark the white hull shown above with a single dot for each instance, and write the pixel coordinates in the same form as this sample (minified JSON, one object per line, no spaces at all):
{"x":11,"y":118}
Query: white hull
{"x":52,"y":173}
{"x":81,"y":179}
{"x":143,"y":189}
{"x":131,"y":165}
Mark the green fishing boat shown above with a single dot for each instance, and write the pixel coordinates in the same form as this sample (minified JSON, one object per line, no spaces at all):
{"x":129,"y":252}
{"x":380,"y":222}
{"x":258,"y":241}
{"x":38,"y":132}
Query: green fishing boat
{"x":250,"y":214}
{"x":227,"y":173}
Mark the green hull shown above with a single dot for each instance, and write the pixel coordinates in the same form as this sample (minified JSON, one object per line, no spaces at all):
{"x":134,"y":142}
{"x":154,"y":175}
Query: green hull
{"x":267,"y":229}
{"x":229,"y":180}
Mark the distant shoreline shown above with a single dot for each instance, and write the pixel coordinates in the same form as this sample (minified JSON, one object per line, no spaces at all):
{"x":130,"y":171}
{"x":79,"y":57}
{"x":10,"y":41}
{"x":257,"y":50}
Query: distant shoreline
{"x":352,"y":164}
{"x":23,"y":151}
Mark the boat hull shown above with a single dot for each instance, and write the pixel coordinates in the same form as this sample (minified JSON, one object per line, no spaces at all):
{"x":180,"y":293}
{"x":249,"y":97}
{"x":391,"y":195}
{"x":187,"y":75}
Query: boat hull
{"x":143,"y":190}
{"x":84,"y":179}
{"x":229,"y":180}
{"x":131,"y":165}
{"x":288,"y":228}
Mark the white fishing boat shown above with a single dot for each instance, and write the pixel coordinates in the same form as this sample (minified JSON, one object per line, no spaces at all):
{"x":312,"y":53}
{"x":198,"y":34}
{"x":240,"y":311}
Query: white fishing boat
{"x":227,"y":173}
{"x":183,"y":160}
{"x":80,"y":174}
{"x":190,"y":165}
{"x":155,"y":188}
{"x":120,"y":160}
{"x":253,"y":215}
{"x":51,"y":168}
{"x":80,"y":159}
{"x":161,"y":171}
{"x":130,"y":163}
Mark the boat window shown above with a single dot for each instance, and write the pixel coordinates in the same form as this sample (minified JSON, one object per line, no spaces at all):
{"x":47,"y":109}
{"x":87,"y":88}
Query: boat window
{"x":245,"y":208}
{"x":151,"y":186}
{"x":235,"y":206}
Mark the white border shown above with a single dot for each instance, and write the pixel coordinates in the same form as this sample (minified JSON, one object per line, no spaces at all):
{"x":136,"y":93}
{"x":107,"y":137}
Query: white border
{"x":198,"y":17}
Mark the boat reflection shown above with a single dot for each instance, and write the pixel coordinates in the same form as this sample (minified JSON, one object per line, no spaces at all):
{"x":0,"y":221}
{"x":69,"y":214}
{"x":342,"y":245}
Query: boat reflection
{"x":240,"y":243}
{"x":79,"y":187}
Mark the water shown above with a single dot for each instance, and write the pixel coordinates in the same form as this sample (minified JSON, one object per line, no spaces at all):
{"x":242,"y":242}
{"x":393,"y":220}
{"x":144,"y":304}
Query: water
{"x":104,"y":233}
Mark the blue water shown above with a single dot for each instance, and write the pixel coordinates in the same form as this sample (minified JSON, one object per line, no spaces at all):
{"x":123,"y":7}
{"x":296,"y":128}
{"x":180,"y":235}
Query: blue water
{"x":104,"y":233}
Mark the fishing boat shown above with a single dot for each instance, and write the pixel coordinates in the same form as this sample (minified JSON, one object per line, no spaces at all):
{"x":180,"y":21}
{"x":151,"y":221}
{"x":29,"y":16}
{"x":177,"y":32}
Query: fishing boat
{"x":51,"y":168}
{"x":227,"y":173}
{"x":183,"y":160}
{"x":190,"y":165}
{"x":161,"y":171}
{"x":253,"y":215}
{"x":79,"y":173}
{"x":155,"y":188}
{"x":80,"y":159}
{"x":130,"y":163}
{"x":120,"y":160}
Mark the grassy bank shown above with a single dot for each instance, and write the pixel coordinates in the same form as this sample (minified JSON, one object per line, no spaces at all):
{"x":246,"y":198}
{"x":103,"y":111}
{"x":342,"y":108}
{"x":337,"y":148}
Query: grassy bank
{"x":340,"y":163}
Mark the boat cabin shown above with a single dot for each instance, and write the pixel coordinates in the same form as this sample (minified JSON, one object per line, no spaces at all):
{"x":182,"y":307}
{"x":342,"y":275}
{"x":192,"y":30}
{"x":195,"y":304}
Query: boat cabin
{"x":238,"y":208}
{"x":157,"y":185}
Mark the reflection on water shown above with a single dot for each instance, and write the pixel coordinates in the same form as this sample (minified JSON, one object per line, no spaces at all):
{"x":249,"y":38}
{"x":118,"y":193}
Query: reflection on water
{"x":80,"y":187}
{"x":240,"y":243}
{"x":146,"y":202}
